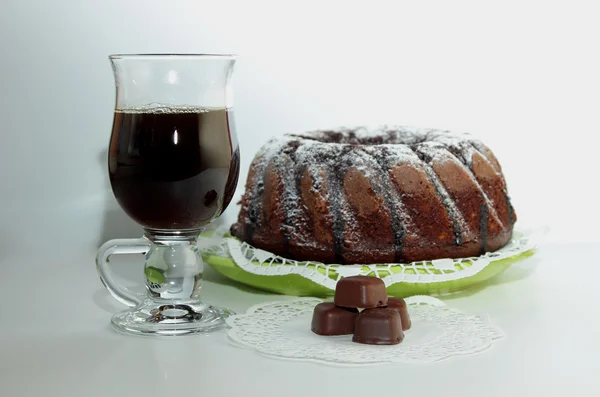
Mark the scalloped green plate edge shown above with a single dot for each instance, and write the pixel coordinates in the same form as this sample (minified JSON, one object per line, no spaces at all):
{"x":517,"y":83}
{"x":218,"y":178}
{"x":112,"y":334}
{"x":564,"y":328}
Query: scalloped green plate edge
{"x":293,"y":284}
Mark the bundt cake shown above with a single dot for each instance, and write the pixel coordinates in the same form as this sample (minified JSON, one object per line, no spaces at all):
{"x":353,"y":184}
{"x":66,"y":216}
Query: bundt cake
{"x":391,"y":195}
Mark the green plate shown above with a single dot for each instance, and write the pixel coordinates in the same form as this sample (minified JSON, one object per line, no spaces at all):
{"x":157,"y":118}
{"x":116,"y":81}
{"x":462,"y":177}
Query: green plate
{"x":293,"y":284}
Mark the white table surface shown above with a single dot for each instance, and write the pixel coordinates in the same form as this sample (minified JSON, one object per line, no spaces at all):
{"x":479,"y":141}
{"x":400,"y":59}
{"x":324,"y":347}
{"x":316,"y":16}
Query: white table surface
{"x":55,"y":338}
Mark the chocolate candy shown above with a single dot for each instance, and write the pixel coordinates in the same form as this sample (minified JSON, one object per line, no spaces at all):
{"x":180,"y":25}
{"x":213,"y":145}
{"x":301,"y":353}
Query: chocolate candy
{"x":328,"y":319}
{"x":360,"y":292}
{"x":399,"y":305}
{"x":378,"y":327}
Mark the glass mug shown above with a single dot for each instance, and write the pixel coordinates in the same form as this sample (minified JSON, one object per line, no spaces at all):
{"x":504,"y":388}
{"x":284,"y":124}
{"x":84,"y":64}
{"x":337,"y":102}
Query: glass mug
{"x":174,"y":165}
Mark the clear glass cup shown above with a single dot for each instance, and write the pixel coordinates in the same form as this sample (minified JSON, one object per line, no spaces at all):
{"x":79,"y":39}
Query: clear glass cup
{"x":174,"y":165}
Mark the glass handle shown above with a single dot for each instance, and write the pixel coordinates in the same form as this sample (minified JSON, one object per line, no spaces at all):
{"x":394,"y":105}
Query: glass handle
{"x":115,"y":247}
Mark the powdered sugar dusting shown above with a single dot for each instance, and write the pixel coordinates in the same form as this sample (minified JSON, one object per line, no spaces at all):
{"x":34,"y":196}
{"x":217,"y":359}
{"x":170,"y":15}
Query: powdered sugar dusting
{"x":328,"y":155}
{"x":336,"y":149}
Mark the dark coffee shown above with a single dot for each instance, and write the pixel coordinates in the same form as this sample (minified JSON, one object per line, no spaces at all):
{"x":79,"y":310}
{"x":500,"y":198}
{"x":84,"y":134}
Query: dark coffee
{"x":173,"y":167}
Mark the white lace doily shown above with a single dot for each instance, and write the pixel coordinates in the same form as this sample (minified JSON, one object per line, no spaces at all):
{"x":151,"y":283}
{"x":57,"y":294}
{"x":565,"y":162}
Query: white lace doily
{"x":260,"y":262}
{"x":282,"y":330}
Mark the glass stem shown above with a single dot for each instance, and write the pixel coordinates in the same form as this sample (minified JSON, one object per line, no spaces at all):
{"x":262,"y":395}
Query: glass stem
{"x":174,"y":267}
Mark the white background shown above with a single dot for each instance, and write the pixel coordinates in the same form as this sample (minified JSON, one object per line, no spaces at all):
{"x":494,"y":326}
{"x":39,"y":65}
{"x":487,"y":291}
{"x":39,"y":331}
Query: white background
{"x":522,"y":76}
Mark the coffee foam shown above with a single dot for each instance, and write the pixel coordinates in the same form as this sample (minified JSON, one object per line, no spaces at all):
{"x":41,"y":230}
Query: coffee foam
{"x":160,"y":108}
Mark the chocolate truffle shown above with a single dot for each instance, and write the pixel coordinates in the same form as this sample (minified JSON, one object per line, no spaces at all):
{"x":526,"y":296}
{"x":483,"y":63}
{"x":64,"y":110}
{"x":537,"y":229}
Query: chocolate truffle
{"x":360,"y":292}
{"x":378,"y":327}
{"x":399,"y":305}
{"x":328,"y":319}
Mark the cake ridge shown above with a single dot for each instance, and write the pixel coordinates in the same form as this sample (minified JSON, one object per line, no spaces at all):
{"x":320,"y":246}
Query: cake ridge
{"x":395,"y":207}
{"x":253,"y":210}
{"x":459,"y":225}
{"x":254,"y":204}
{"x":288,"y":195}
{"x":337,"y":211}
{"x":489,"y":157}
{"x":468,"y":163}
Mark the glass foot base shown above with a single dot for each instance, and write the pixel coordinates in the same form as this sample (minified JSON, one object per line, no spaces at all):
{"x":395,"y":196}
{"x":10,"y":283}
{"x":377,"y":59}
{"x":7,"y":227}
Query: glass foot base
{"x":160,"y":319}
